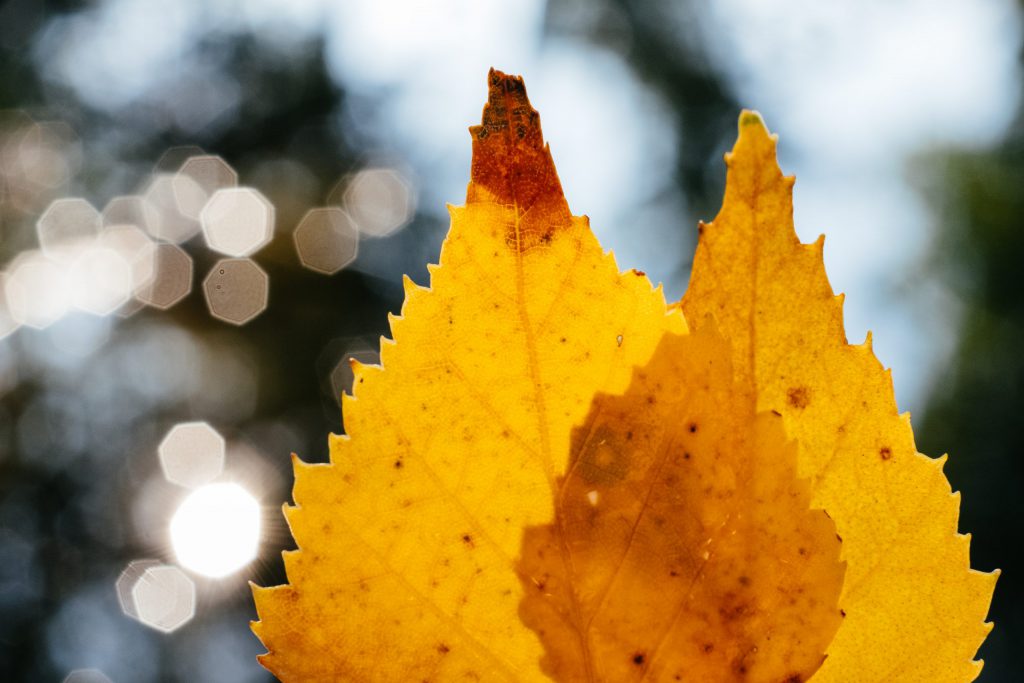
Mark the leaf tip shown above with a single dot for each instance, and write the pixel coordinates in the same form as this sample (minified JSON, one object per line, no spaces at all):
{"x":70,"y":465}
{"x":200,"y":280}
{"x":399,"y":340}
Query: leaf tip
{"x":754,"y":131}
{"x":512,"y":165}
{"x":750,"y":117}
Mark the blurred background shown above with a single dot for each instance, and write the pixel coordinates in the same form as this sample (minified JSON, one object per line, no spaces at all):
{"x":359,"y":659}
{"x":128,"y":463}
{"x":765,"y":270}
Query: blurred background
{"x":206,"y":209}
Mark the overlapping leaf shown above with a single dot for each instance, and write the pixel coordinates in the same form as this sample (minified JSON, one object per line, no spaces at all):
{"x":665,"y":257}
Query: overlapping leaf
{"x":915,"y":610}
{"x":513,"y":501}
{"x":683,"y":547}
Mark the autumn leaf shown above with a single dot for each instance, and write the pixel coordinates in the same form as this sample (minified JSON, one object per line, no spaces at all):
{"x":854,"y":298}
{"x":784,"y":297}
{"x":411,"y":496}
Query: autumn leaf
{"x":551,"y":477}
{"x":408,"y":538}
{"x":683,"y":547}
{"x":915,"y":610}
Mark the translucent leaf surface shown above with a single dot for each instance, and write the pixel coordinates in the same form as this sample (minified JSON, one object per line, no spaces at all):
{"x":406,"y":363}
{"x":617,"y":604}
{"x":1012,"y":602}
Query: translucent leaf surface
{"x":915,"y":610}
{"x":683,"y":547}
{"x":408,"y":538}
{"x":551,"y":477}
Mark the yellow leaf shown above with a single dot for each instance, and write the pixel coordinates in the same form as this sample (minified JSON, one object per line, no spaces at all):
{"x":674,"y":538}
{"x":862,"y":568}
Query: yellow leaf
{"x":914,"y":609}
{"x":683,"y":547}
{"x":408,"y":538}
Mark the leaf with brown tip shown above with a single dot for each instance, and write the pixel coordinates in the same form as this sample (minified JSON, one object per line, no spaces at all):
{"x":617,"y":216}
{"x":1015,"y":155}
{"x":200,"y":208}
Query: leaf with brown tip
{"x":407,"y":539}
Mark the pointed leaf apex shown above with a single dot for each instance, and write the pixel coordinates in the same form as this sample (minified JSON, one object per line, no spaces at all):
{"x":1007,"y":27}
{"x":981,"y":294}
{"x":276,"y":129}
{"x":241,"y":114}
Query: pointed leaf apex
{"x":511,"y":164}
{"x":750,"y":117}
{"x":753,"y":133}
{"x":752,"y":122}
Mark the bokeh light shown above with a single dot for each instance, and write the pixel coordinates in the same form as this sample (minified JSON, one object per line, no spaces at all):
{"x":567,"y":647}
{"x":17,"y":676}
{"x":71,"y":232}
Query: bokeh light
{"x":192,"y":454}
{"x":125,"y":584}
{"x":100,"y":280}
{"x":37,"y":290}
{"x":326,"y":240}
{"x":236,"y":290}
{"x":162,"y":194}
{"x":207,"y":172}
{"x":136,"y":248}
{"x":131,"y":210}
{"x":66,"y":225}
{"x":237,"y":221}
{"x":164,"y":598}
{"x":216,"y":530}
{"x":380,"y":201}
{"x":87,"y":676}
{"x":36,"y":160}
{"x":171,"y":280}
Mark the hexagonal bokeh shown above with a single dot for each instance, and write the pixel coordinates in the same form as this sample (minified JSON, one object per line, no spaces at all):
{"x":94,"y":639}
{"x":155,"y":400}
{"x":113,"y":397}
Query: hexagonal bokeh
{"x":206,"y":171}
{"x":135,"y":247}
{"x":172,"y":277}
{"x":66,"y":224}
{"x":162,"y":194}
{"x":164,"y":598}
{"x":236,"y":290}
{"x":126,"y":584}
{"x":131,"y":210}
{"x":380,"y":201}
{"x":326,"y":240}
{"x":100,"y":280}
{"x":173,"y":157}
{"x":238,"y":221}
{"x":192,"y":454}
{"x":36,"y":290}
{"x":87,"y":676}
{"x":43,"y":155}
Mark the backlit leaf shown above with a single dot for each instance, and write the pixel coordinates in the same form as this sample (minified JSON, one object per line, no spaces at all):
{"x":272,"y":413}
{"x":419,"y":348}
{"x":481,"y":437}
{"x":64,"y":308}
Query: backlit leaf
{"x":915,"y":610}
{"x":550,"y":477}
{"x":683,"y":547}
{"x":408,"y":538}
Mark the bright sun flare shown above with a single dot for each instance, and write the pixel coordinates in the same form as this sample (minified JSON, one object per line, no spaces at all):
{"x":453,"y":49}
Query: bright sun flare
{"x":216,"y":530}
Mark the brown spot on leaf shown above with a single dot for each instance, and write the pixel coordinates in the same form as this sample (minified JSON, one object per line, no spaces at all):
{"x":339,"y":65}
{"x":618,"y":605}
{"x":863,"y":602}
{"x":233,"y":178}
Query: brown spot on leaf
{"x":885,"y":453}
{"x":798,"y":397}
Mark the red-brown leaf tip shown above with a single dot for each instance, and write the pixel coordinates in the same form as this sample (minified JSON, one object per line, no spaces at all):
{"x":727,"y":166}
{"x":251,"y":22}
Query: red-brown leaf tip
{"x":511,"y":163}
